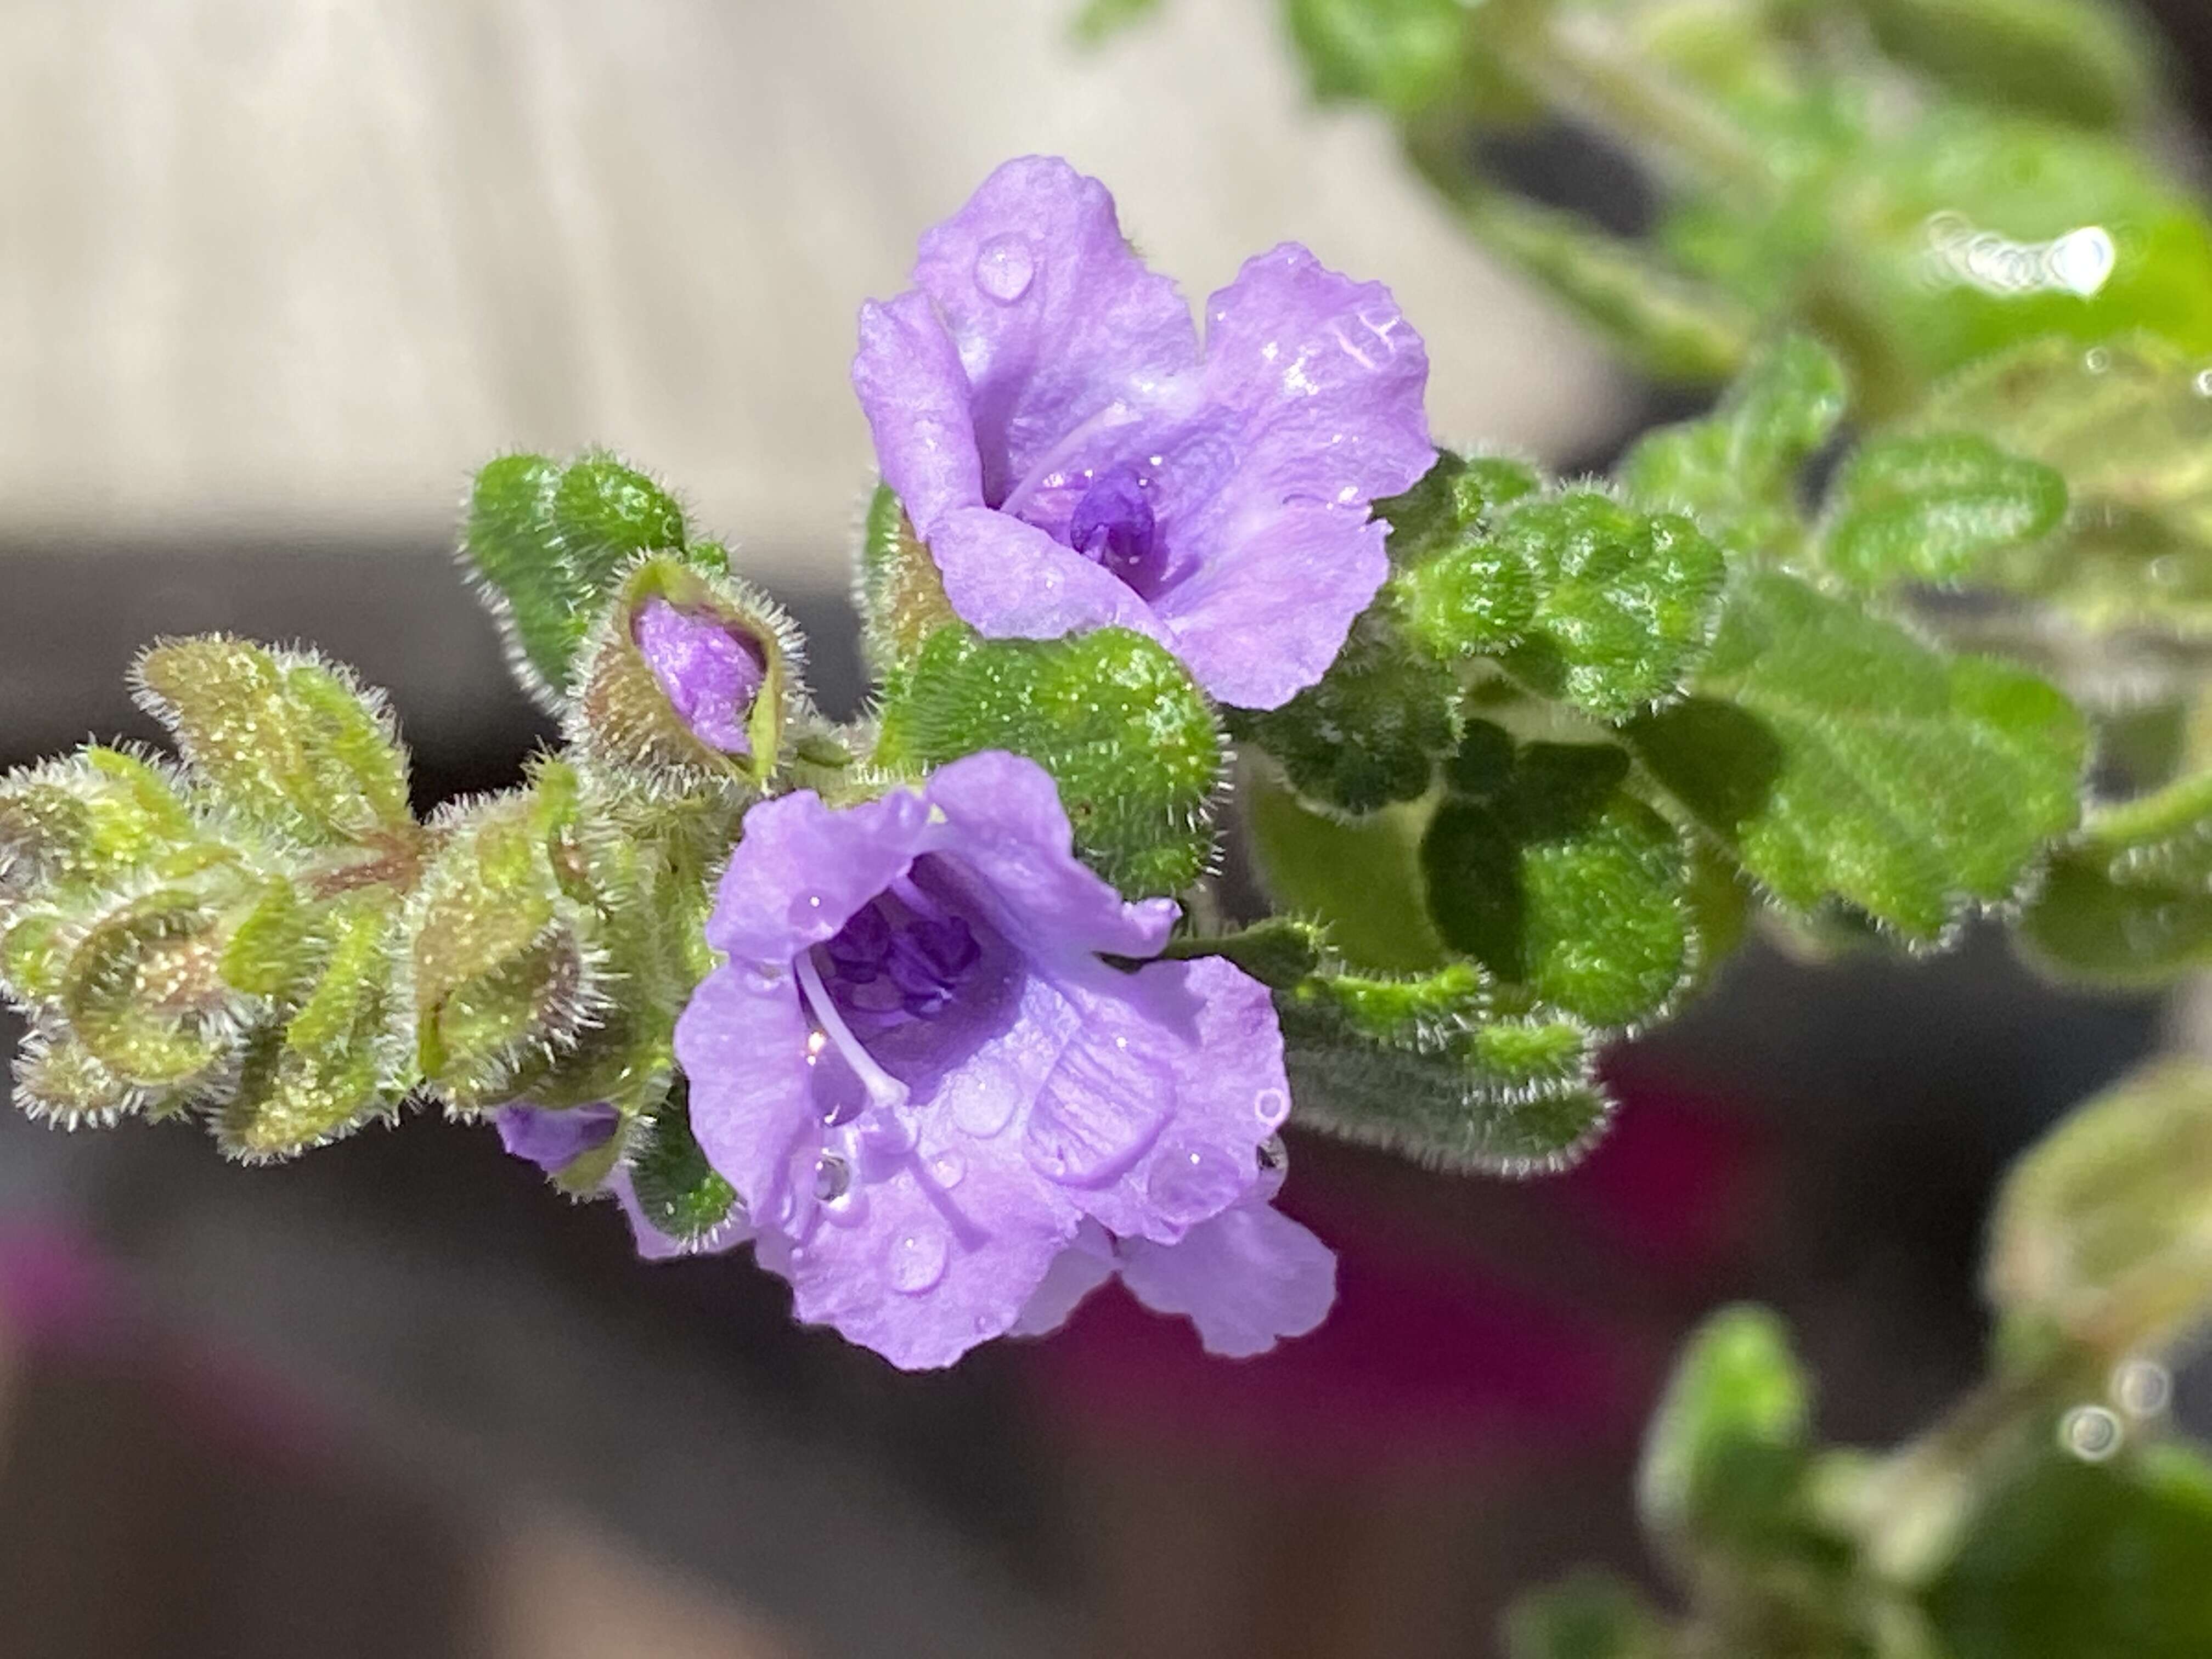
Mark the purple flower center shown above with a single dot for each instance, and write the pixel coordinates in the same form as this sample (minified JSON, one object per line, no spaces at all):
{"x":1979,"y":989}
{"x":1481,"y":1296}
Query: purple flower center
{"x":709,"y":674}
{"x":904,"y":958}
{"x":1113,"y":525}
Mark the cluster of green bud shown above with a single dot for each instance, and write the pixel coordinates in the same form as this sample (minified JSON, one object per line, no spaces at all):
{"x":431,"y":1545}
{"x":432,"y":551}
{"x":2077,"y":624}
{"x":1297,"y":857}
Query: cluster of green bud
{"x":222,"y":935}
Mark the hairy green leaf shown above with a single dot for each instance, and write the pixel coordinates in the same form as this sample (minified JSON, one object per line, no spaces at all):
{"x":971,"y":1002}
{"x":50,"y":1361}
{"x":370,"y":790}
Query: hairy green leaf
{"x":2129,"y":424}
{"x":70,"y":828}
{"x":1550,"y":874}
{"x":1736,"y":469}
{"x":2129,"y":903}
{"x":1837,"y":757}
{"x":902,"y":601}
{"x":282,"y":739}
{"x":1422,"y":1065}
{"x":549,"y":540}
{"x":2073,"y":59}
{"x":1935,"y":509}
{"x":1372,"y":730}
{"x":676,"y":1188}
{"x":1131,"y":742}
{"x":341,"y":1058}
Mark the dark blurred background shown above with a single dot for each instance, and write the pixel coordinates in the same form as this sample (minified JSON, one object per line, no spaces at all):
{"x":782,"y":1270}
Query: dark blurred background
{"x":275,"y":278}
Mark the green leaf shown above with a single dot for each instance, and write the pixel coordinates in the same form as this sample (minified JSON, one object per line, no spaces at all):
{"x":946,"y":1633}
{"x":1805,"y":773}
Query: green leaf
{"x":341,"y":1058}
{"x":284,"y":740}
{"x":502,"y":964}
{"x":1590,"y":1614}
{"x":2098,"y":1235}
{"x":2068,"y":59}
{"x":2073,"y":1560}
{"x":1837,"y":757}
{"x":1456,"y":501}
{"x":144,"y":990}
{"x":1402,"y":54}
{"x":1372,"y":730}
{"x":1555,"y":878}
{"x":59,"y":1080}
{"x":2129,"y":903}
{"x":1974,"y":231}
{"x":1131,"y":742}
{"x":676,"y":1188}
{"x":1279,"y":952}
{"x":1361,"y":880}
{"x":1725,"y":1452}
{"x":1623,"y":600}
{"x":1736,"y":469}
{"x":69,"y":829}
{"x":624,"y":717}
{"x":549,"y":540}
{"x":2129,"y":424}
{"x":1422,"y":1066}
{"x":903,"y":603}
{"x":1935,"y":509}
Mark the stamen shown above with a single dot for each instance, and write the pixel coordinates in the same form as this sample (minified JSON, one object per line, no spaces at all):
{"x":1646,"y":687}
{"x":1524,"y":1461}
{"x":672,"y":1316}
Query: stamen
{"x":1117,"y":413}
{"x":883,"y":1088}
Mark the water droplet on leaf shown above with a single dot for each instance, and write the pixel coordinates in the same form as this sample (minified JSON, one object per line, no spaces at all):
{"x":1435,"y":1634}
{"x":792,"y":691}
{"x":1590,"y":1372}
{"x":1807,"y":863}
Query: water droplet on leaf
{"x":2090,"y":1433}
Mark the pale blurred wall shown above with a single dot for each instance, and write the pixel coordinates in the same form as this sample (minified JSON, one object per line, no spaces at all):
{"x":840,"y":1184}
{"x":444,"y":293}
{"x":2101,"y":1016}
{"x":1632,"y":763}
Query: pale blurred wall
{"x":274,"y":265}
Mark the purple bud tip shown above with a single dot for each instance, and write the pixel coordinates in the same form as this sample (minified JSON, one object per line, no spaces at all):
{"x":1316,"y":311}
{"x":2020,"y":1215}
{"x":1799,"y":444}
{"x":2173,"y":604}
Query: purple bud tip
{"x":709,"y":675}
{"x":552,"y":1137}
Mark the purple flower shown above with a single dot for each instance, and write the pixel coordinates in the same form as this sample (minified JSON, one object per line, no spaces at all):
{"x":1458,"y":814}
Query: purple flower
{"x":929,"y":1090}
{"x":1043,"y":411}
{"x":709,"y":676}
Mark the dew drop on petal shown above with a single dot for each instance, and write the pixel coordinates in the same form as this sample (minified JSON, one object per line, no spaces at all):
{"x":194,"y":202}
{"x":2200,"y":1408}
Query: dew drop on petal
{"x":917,"y":1259}
{"x":2142,"y":1388}
{"x":947,"y":1168}
{"x":1189,"y":1183}
{"x":1004,"y":268}
{"x":983,"y":1100}
{"x":2090,"y":1433}
{"x":833,"y":1178}
{"x":1271,"y":1106}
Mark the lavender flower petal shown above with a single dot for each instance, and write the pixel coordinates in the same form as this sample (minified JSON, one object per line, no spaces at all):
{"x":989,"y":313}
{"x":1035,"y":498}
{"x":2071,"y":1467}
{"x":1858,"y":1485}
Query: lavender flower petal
{"x":1059,"y":327}
{"x":553,"y":1138}
{"x":914,"y":393}
{"x":1246,"y":1277}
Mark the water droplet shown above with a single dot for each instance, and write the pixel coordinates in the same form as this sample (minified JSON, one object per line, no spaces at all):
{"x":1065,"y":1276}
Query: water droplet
{"x":983,"y":1324}
{"x":2097,"y":360}
{"x":1274,"y":1154}
{"x":2142,"y":1388}
{"x":833,"y":1178}
{"x":806,"y":910}
{"x":1271,"y":1106}
{"x":2090,"y":1433}
{"x":2203,"y":383}
{"x":1191,"y":1183}
{"x":763,"y":976}
{"x":948,"y":1167}
{"x":984,"y":1101}
{"x":1004,"y":268}
{"x":917,"y":1259}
